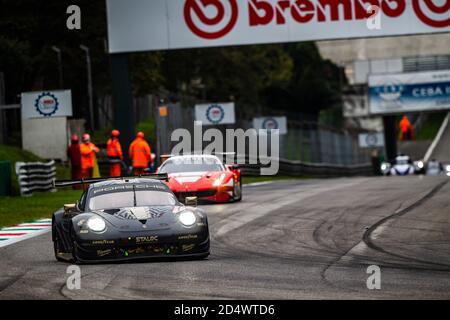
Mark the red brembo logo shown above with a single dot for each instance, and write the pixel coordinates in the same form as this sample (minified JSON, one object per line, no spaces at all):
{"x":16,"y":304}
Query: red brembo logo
{"x":265,"y":12}
{"x":193,"y":6}
{"x":435,"y":9}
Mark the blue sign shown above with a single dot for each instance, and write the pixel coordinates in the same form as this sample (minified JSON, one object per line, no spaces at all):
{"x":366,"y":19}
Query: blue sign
{"x":413,"y":92}
{"x":215,"y":113}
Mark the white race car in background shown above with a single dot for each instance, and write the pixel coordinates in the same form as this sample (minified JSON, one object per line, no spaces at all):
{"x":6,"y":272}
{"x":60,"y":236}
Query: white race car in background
{"x":402,"y":166}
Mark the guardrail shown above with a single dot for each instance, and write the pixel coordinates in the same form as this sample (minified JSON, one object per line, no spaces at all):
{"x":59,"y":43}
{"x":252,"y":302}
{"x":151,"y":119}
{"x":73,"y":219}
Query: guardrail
{"x":293,"y":168}
{"x":298,"y":168}
{"x":35,"y":176}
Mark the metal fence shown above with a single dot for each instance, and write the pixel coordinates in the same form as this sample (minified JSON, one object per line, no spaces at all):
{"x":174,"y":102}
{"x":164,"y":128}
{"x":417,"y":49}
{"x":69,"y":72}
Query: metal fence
{"x":306,"y":142}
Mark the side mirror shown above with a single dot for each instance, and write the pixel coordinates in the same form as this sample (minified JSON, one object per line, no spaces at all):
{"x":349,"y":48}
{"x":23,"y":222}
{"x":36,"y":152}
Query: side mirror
{"x":70,"y":208}
{"x":232,"y":166}
{"x":191,"y":201}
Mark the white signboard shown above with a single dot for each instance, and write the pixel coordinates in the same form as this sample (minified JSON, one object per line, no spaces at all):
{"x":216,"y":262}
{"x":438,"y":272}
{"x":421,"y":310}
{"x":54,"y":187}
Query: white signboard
{"x":409,"y":92}
{"x":215,"y":113}
{"x":143,"y":25}
{"x":46,"y":104}
{"x":45,"y":137}
{"x":267,"y":123}
{"x":371,"y":140}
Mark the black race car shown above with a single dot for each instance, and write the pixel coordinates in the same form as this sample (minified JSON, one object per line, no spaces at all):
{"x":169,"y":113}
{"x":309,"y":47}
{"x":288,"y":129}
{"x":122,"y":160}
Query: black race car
{"x":128,"y":218}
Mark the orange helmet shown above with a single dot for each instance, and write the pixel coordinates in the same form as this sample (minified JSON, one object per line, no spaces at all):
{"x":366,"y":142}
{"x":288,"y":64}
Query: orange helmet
{"x":140,"y":134}
{"x":86,"y":137}
{"x":115,"y":133}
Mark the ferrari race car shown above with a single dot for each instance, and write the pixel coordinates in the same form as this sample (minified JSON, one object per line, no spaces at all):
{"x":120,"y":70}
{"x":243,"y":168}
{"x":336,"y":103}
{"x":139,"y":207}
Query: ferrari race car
{"x":204,"y":176}
{"x":126,"y":219}
{"x":401,"y":166}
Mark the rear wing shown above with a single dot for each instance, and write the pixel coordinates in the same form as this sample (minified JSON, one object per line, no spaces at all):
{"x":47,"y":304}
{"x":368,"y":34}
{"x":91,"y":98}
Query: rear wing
{"x":69,"y":183}
{"x":245,"y":159}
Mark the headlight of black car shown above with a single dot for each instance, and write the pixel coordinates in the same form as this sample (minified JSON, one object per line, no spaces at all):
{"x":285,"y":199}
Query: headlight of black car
{"x":187,"y":218}
{"x":96,"y":224}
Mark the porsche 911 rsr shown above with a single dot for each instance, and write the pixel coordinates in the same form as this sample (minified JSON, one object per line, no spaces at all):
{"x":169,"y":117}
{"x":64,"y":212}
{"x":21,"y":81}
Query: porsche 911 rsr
{"x":128,"y":218}
{"x":204,"y":176}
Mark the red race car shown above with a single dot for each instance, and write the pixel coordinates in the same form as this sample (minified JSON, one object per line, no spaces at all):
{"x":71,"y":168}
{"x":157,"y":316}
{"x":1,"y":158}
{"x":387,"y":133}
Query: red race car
{"x":203,"y":176}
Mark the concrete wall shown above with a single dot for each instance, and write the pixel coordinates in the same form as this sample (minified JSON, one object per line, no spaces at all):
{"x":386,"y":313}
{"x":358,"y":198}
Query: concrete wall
{"x":45,"y":137}
{"x":345,"y":51}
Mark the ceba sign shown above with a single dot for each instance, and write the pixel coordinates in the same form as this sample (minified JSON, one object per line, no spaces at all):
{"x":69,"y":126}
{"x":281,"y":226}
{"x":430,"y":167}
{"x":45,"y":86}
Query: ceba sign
{"x":409,"y":92}
{"x":145,"y":25}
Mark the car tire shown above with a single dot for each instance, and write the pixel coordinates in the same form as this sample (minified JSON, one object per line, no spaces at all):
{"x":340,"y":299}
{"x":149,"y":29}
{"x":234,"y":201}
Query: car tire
{"x":56,"y":244}
{"x":237,"y":191}
{"x":56,"y":250}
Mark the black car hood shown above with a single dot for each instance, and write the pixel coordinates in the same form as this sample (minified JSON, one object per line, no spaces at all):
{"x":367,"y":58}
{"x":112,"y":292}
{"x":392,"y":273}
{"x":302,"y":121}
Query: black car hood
{"x":153,"y":217}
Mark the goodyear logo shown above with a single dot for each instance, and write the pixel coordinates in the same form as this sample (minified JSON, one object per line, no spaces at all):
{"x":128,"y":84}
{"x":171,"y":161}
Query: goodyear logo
{"x":188,"y":237}
{"x":102,"y":242}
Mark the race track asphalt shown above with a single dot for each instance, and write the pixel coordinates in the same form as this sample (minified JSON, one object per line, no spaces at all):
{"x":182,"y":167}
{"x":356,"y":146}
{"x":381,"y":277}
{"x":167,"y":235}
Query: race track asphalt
{"x":299,"y":239}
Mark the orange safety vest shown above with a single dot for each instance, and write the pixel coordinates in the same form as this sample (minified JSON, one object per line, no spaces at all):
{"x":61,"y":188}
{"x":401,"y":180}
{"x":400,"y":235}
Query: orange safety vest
{"x":114,"y":150}
{"x":405,"y":125}
{"x":140,"y":153}
{"x":88,"y":151}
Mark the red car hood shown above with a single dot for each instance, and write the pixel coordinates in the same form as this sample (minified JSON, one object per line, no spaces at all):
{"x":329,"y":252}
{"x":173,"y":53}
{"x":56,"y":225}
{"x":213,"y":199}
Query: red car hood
{"x":193,"y":181}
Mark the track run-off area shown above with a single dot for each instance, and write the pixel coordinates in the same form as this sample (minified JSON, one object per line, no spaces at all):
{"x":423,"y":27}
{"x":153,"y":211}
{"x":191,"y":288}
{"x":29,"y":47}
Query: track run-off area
{"x":295,"y":239}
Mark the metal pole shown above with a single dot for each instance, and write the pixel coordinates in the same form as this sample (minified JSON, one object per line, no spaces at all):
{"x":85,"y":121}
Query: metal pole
{"x":122,"y":100}
{"x":89,"y":78}
{"x":390,"y":136}
{"x":60,"y":70}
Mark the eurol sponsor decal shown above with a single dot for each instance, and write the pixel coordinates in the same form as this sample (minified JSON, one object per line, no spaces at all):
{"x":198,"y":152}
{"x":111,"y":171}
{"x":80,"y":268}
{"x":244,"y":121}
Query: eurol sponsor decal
{"x":169,"y":24}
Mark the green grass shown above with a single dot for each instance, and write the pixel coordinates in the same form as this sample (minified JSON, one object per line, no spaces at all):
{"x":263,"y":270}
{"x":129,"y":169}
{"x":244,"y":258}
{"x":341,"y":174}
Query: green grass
{"x":431,"y":127}
{"x":13,"y":155}
{"x":14,"y":210}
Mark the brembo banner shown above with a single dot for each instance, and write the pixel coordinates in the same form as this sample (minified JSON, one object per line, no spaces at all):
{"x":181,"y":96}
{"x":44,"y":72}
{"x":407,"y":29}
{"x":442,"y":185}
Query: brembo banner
{"x":143,"y":25}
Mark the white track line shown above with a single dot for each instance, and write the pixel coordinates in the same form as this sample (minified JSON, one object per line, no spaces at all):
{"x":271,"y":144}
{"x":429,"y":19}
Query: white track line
{"x":437,"y":138}
{"x":28,"y":233}
{"x":256,"y":184}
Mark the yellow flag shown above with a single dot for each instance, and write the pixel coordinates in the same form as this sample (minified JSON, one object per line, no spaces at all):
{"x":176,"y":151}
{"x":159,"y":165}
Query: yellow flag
{"x":96,"y":173}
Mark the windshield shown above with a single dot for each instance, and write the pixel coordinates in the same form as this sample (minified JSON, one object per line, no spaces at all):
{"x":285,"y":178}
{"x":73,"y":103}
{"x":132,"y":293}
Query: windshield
{"x":191,"y":164}
{"x":126,"y":199}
